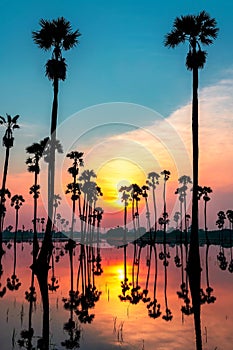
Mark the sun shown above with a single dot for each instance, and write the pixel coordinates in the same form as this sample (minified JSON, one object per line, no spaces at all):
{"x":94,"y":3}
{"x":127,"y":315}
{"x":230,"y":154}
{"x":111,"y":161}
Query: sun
{"x":115,"y":173}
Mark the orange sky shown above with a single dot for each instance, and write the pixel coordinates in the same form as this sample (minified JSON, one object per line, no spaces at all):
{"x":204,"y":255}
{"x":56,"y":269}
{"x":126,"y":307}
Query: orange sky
{"x":128,"y":157}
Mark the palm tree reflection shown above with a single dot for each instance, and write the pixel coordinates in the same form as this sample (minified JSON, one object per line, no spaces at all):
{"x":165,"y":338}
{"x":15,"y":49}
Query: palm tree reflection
{"x":153,"y":306}
{"x":53,"y":286}
{"x":221,"y":255}
{"x":13,"y":283}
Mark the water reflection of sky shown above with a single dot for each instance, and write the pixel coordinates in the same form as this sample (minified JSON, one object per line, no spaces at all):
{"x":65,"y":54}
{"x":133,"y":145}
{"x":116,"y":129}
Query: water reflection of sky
{"x":120,"y":324}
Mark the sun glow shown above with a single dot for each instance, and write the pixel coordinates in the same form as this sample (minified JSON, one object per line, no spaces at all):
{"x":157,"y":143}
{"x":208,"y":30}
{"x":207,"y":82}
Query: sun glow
{"x":120,"y":272}
{"x":116,"y":173}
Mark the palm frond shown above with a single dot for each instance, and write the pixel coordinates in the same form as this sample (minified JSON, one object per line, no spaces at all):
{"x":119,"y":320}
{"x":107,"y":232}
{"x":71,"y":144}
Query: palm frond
{"x":174,"y":38}
{"x":44,"y":37}
{"x":15,"y":118}
{"x":3,"y":119}
{"x":194,"y":28}
{"x":197,"y":59}
{"x":56,"y":69}
{"x":71,"y":40}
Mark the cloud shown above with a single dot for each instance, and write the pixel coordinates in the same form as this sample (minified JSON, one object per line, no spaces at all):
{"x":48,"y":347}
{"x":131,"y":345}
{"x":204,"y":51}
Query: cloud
{"x":167,"y":144}
{"x":215,"y":132}
{"x":164,"y":144}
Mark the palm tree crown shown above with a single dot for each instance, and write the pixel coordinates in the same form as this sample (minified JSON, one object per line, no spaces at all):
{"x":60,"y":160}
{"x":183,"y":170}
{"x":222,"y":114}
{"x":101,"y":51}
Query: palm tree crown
{"x":17,"y":201}
{"x":10,"y":124}
{"x":56,"y":34}
{"x":37,"y":149}
{"x":196,"y":29}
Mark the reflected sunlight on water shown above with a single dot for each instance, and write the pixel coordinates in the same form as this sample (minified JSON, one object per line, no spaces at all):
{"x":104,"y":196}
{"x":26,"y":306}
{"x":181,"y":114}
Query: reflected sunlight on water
{"x":118,"y":322}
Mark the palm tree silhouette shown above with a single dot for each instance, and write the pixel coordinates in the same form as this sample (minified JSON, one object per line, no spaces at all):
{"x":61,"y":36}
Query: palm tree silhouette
{"x":229,"y":214}
{"x":74,"y":189}
{"x":37,"y":150}
{"x":197,"y":30}
{"x":153,"y":180}
{"x":209,"y":290}
{"x":56,"y":202}
{"x":125,"y":198}
{"x":74,"y":332}
{"x":176,"y":218}
{"x":136,"y":192}
{"x":221,"y":219}
{"x":87,"y":294}
{"x":184,"y":180}
{"x":42,"y":221}
{"x":98,"y":270}
{"x":145,"y":188}
{"x":85,"y":178}
{"x":164,"y":219}
{"x":91,"y":193}
{"x":27,"y":334}
{"x":153,"y":306}
{"x":58,"y":36}
{"x":221,"y":256}
{"x":8,"y":142}
{"x":16,"y":202}
{"x":205,"y":191}
{"x":53,"y":286}
{"x":125,"y":285}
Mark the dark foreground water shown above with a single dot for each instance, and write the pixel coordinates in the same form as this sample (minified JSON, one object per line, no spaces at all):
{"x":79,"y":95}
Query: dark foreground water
{"x":126,"y":299}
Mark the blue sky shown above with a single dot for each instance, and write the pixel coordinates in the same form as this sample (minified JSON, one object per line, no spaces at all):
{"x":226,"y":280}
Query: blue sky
{"x":121,"y":56}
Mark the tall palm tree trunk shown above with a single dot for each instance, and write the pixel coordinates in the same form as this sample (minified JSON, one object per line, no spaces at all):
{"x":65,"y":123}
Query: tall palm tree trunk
{"x":71,"y":271}
{"x":125,"y":263}
{"x":194,"y":240}
{"x":125,"y":222}
{"x":72,"y":220}
{"x":52,"y":157}
{"x":43,"y":284}
{"x":155,"y":210}
{"x":46,"y":248}
{"x":194,"y":265}
{"x":164,"y":211}
{"x":7,"y":155}
{"x":35,"y":240}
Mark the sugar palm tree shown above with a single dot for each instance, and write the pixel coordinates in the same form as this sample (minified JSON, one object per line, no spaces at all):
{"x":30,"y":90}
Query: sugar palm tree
{"x":16,"y":202}
{"x":55,"y":35}
{"x":176,"y":219}
{"x":229,"y":215}
{"x":221,"y":256}
{"x":125,"y":198}
{"x":152,"y":181}
{"x":136,"y":192}
{"x":197,"y":30}
{"x":36,"y":150}
{"x":73,"y":187}
{"x":164,"y":220}
{"x":205,"y":191}
{"x":85,"y":179}
{"x":152,"y":304}
{"x":221,"y":219}
{"x":145,"y":188}
{"x":184,"y":180}
{"x":56,"y":202}
{"x":10,"y":124}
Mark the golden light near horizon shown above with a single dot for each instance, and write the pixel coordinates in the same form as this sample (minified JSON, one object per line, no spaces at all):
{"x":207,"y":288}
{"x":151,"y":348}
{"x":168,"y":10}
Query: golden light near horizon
{"x":114,"y":174}
{"x":120,"y":273}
